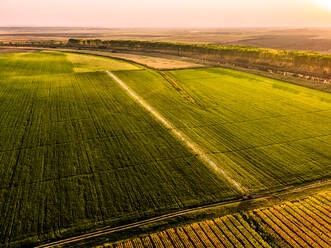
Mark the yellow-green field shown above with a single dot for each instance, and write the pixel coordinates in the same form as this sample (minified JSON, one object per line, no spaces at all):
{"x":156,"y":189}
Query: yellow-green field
{"x":266,"y":133}
{"x":77,"y":152}
{"x":87,"y":63}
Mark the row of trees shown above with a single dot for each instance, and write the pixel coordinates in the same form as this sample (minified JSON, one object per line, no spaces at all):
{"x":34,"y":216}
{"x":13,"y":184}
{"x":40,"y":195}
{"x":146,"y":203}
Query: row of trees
{"x":311,"y":63}
{"x":297,"y":62}
{"x":45,"y":43}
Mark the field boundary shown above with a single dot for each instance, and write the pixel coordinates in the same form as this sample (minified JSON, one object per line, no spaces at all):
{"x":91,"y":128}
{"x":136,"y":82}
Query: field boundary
{"x":202,"y":155}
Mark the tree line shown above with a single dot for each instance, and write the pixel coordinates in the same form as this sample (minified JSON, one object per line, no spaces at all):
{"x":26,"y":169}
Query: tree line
{"x":298,"y":62}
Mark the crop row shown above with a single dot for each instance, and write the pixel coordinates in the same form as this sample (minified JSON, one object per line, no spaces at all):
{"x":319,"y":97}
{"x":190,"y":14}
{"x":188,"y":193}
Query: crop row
{"x":305,"y":223}
{"x":228,"y":231}
{"x":290,"y":224}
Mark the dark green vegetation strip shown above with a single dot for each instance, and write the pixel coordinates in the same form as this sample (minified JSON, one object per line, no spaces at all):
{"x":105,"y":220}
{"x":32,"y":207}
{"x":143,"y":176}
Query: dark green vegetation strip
{"x":77,"y":152}
{"x":266,"y":133}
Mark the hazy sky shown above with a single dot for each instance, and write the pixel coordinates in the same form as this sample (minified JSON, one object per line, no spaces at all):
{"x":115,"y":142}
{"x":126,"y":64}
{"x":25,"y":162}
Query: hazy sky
{"x":165,"y":13}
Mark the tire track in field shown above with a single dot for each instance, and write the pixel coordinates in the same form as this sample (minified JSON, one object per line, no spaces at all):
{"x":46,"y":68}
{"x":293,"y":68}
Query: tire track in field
{"x":181,"y":136}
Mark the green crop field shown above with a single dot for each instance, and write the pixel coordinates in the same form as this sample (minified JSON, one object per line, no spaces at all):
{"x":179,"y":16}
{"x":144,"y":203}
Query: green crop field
{"x":266,"y":133}
{"x":77,"y":152}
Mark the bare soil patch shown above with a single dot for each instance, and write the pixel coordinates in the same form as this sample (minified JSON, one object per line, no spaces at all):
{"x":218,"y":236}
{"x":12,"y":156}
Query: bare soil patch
{"x":156,"y":61}
{"x":163,"y":62}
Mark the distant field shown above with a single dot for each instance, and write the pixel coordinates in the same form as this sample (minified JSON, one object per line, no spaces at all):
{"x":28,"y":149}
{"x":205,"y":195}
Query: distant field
{"x":88,"y":63}
{"x":266,"y":133}
{"x":313,"y":39}
{"x":158,"y":61}
{"x":304,"y":223}
{"x":77,"y":152}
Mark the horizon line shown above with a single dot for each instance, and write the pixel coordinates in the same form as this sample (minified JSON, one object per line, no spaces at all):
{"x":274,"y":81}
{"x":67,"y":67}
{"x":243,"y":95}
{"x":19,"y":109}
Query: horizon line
{"x":170,"y":27}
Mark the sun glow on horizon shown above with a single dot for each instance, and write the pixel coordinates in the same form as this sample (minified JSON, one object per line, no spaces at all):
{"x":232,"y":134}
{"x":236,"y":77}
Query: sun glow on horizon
{"x":170,"y":13}
{"x":325,"y":4}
